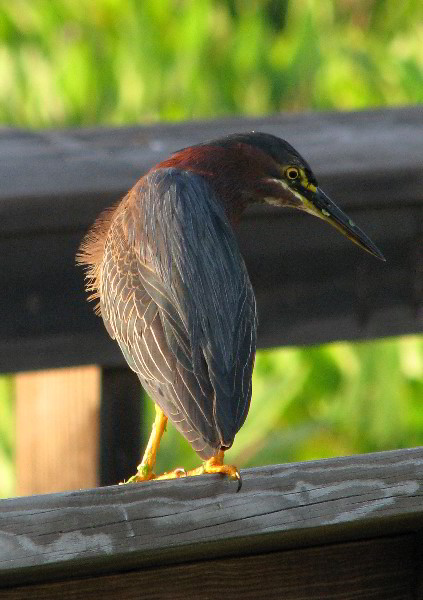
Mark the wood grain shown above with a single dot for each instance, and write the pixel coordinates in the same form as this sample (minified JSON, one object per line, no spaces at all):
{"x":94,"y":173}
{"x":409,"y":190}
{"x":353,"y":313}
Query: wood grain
{"x":364,"y":149}
{"x":378,"y":569}
{"x":57,"y":418}
{"x":279,"y":507}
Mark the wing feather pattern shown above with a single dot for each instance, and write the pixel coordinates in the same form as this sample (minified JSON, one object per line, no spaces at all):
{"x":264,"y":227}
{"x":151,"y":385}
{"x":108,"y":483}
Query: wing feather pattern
{"x":176,"y":296}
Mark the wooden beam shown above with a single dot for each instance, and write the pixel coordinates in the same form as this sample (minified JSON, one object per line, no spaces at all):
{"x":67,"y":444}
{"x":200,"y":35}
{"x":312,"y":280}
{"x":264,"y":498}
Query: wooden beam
{"x":57,"y":416}
{"x":311,"y":284}
{"x":378,"y":569}
{"x":281,"y":507}
{"x":369,"y":150}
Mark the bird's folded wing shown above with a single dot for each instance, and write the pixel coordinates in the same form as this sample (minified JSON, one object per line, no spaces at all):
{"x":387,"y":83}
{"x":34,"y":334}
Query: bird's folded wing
{"x":177,"y":298}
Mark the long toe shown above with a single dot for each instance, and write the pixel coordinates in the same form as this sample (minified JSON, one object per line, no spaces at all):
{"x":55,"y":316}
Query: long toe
{"x":175,"y":474}
{"x":213,"y":466}
{"x":139,"y":477}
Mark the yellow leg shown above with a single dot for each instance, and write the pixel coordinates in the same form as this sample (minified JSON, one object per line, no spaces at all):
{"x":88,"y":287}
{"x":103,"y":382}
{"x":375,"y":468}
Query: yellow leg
{"x":146,"y":467}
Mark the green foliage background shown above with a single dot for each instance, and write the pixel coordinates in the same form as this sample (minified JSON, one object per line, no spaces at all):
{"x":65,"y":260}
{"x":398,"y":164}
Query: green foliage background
{"x":79,"y":62}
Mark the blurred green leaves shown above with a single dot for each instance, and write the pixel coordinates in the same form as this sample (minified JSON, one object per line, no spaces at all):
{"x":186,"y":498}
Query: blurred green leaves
{"x":7,"y":437}
{"x":71,"y":62}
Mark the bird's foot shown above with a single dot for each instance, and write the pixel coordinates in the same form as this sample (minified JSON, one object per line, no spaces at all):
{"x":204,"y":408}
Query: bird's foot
{"x":175,"y":474}
{"x":212,"y":465}
{"x":215,"y":465}
{"x":146,"y":474}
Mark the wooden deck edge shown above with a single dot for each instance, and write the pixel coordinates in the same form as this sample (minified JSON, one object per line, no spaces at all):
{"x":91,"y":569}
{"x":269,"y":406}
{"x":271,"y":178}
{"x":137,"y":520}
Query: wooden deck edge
{"x":118,"y":528}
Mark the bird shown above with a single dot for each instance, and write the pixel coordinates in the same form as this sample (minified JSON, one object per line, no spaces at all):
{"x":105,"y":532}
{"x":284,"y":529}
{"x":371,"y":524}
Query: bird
{"x":172,"y":288}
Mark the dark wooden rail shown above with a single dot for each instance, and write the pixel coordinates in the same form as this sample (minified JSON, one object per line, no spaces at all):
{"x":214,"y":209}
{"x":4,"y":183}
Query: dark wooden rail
{"x":342,"y":528}
{"x":311,"y":284}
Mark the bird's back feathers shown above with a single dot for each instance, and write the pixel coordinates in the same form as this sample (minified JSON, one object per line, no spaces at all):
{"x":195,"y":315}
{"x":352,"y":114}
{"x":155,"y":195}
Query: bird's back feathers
{"x":176,"y":295}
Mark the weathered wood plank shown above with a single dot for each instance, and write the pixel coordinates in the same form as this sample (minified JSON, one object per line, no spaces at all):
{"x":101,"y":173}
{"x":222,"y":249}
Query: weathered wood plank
{"x":380,"y":569}
{"x":279,"y":507}
{"x":311,"y":284}
{"x":378,"y":147}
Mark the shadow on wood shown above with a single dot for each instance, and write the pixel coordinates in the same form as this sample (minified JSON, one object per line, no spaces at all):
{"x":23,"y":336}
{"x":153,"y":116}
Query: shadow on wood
{"x":120,"y":424}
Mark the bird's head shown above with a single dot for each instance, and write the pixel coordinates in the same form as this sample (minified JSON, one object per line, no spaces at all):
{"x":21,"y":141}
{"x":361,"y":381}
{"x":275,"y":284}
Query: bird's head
{"x":262,"y":168}
{"x":284,"y":178}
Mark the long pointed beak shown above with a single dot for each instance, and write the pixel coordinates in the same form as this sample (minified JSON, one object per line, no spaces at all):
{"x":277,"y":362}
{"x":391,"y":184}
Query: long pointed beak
{"x":323,"y":207}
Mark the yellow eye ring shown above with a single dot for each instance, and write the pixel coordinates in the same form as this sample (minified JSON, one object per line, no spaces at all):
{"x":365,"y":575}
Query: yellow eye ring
{"x":292,"y":173}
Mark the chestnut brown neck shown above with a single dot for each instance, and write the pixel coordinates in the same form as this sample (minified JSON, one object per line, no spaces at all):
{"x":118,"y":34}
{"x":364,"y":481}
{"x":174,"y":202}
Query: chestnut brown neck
{"x":236,"y":173}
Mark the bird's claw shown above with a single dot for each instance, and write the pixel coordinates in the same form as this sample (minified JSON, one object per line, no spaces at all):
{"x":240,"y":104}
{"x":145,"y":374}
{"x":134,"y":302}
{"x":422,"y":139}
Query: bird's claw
{"x":213,"y":465}
{"x":145,"y":474}
{"x":234,"y":475}
{"x":239,"y":478}
{"x":180,"y":472}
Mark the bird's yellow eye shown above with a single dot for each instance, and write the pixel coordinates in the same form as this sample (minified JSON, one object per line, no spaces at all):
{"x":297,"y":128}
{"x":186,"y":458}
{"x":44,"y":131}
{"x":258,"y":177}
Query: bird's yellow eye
{"x":292,"y":173}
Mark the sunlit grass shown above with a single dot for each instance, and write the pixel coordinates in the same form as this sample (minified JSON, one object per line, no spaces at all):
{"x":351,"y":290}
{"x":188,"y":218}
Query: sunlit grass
{"x":7,"y":437}
{"x":70,"y":62}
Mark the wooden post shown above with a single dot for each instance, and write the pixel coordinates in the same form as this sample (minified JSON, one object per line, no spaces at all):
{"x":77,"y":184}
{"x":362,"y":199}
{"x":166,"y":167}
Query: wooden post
{"x":57,"y":416}
{"x":120,"y":424}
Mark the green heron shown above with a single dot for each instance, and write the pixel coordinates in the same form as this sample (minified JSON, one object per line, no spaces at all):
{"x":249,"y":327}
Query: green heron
{"x":173,"y":290}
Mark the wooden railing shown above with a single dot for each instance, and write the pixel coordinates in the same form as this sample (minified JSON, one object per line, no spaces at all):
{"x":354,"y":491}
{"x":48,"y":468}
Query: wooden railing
{"x":311,"y":284}
{"x":344,"y":528}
